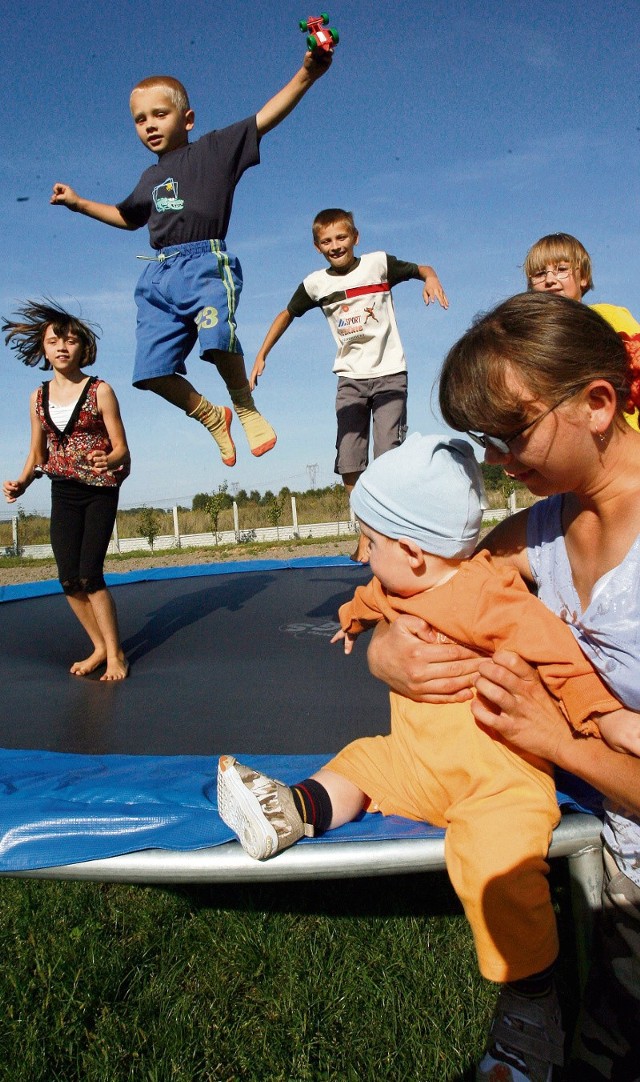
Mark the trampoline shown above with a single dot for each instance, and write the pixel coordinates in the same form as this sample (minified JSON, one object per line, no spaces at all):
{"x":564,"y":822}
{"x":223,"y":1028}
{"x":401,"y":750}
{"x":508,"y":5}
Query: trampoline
{"x":117,"y":781}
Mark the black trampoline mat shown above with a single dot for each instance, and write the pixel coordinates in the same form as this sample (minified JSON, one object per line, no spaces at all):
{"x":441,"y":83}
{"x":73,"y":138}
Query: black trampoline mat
{"x":237,"y":663}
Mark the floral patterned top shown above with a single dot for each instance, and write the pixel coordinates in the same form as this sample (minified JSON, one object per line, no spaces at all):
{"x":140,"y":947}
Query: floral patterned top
{"x":85,"y":431}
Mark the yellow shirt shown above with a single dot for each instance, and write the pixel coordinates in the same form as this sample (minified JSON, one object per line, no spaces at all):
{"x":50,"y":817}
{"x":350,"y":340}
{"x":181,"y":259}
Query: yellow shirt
{"x":622,"y":321}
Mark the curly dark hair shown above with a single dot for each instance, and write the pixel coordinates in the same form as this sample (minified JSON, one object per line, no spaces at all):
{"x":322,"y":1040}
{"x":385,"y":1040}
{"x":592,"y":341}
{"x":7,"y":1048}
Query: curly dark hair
{"x":25,"y":334}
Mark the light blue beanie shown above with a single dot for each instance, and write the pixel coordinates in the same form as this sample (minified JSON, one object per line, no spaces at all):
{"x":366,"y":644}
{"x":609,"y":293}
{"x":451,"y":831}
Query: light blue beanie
{"x":429,"y":489}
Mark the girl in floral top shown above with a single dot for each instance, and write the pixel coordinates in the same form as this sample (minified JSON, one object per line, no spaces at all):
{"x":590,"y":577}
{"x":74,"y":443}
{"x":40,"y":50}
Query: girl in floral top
{"x":78,"y":439}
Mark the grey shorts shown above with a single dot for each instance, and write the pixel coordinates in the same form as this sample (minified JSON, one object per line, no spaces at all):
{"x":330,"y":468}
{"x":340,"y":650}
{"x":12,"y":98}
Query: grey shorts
{"x":358,"y":402}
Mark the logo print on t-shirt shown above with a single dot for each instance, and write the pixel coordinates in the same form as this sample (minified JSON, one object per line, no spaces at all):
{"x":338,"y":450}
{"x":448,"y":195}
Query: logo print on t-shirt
{"x":371,"y":313}
{"x":165,"y":196}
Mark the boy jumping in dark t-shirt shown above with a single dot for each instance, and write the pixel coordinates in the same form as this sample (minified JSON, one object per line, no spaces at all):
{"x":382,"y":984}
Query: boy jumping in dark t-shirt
{"x":190,"y":288}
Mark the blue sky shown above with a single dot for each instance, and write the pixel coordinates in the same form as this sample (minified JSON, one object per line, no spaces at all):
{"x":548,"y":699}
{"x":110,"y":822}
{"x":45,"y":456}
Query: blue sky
{"x":458,"y":133}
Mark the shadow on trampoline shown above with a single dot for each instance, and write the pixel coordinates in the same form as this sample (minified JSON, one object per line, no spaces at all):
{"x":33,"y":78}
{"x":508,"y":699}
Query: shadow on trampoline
{"x":234,"y":660}
{"x":182,"y":611}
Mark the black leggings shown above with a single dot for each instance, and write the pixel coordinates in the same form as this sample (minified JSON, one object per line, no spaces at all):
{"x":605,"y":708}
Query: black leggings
{"x":82,"y":520}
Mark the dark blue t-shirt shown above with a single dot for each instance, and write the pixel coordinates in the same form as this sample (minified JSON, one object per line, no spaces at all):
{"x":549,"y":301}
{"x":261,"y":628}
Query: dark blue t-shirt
{"x":188,"y":194}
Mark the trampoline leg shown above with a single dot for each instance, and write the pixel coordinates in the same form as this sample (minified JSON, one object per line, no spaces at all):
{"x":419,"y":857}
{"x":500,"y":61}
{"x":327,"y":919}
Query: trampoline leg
{"x":585,"y":871}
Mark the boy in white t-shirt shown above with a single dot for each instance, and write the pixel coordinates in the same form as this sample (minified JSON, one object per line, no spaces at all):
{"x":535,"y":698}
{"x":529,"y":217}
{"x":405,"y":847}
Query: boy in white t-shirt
{"x":354,"y":294}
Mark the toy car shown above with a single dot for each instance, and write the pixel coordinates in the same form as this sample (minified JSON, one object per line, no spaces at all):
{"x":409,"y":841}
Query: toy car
{"x":318,"y":37}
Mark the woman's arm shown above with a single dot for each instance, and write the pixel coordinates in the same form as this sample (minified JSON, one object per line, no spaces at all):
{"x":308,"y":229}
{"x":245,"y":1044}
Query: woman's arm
{"x":512,"y":701}
{"x":508,"y":542}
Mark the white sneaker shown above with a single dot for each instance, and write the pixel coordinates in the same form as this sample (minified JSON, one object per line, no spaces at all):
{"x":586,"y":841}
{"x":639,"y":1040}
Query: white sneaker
{"x":260,"y":810}
{"x":526,"y":1039}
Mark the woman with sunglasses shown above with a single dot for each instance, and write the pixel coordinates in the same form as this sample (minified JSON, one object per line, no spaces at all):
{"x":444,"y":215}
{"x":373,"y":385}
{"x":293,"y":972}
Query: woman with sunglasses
{"x":542,"y":382}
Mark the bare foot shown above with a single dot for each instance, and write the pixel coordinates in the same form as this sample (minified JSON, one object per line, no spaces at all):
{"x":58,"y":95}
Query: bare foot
{"x":90,"y":664}
{"x":117,"y":669}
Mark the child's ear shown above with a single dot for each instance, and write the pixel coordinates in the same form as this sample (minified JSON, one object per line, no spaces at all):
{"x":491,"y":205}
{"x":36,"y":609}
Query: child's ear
{"x":413,"y":552}
{"x":189,"y":119}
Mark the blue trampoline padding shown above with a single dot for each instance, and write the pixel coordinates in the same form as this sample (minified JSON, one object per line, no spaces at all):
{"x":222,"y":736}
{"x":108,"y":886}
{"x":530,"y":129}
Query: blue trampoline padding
{"x":26,"y":590}
{"x":57,"y":808}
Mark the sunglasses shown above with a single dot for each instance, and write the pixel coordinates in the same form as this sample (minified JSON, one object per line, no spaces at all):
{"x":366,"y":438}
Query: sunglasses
{"x":502,"y":444}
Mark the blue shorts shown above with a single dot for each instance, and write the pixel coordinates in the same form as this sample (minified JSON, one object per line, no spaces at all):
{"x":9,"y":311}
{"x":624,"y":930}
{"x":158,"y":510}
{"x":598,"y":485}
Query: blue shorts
{"x":189,"y":292}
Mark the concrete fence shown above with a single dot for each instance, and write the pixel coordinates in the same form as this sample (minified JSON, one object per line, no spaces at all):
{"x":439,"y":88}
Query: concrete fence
{"x":176,"y":540}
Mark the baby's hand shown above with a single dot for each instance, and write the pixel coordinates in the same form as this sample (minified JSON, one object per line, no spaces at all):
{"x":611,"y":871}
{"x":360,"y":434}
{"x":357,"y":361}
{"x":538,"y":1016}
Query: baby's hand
{"x":65,"y":196}
{"x":348,"y":640}
{"x":98,"y":459}
{"x":621,"y":730}
{"x":13,"y":490}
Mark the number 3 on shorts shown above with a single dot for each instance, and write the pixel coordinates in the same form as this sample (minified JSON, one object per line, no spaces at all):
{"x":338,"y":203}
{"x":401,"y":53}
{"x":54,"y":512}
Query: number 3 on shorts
{"x":206,"y":317}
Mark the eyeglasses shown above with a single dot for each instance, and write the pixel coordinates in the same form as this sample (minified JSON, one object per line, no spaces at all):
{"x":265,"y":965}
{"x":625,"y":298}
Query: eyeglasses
{"x":502,"y":444}
{"x":561,"y":271}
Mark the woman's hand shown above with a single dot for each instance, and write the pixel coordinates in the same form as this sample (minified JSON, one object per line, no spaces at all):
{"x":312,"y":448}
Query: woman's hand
{"x":407,"y":656}
{"x":621,"y":730}
{"x":513,"y":702}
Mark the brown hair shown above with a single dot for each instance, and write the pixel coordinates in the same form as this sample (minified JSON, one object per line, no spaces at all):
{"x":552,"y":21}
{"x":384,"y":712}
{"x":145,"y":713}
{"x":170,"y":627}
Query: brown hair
{"x":329,"y":216}
{"x":554,"y":248}
{"x":175,"y":91}
{"x":26,"y":334}
{"x":551,"y":344}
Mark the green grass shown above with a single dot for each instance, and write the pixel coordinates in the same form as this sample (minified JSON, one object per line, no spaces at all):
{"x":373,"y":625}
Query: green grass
{"x":211,"y":552}
{"x":365,"y":979}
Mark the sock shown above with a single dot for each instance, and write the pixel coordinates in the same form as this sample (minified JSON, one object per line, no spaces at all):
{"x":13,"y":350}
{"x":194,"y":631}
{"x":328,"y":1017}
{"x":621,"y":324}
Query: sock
{"x":217,"y":421}
{"x":313,"y":804}
{"x":535,"y":986}
{"x":258,"y":431}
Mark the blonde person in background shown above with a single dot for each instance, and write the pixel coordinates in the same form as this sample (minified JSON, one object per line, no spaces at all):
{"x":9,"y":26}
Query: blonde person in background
{"x":561,"y":265}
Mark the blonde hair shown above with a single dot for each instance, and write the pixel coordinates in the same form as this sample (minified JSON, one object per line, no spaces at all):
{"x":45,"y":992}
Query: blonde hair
{"x":173,"y":88}
{"x":328,"y":217}
{"x":554,"y":248}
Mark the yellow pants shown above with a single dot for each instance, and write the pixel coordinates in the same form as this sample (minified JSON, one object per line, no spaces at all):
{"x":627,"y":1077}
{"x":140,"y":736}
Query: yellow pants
{"x":499,"y":811}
